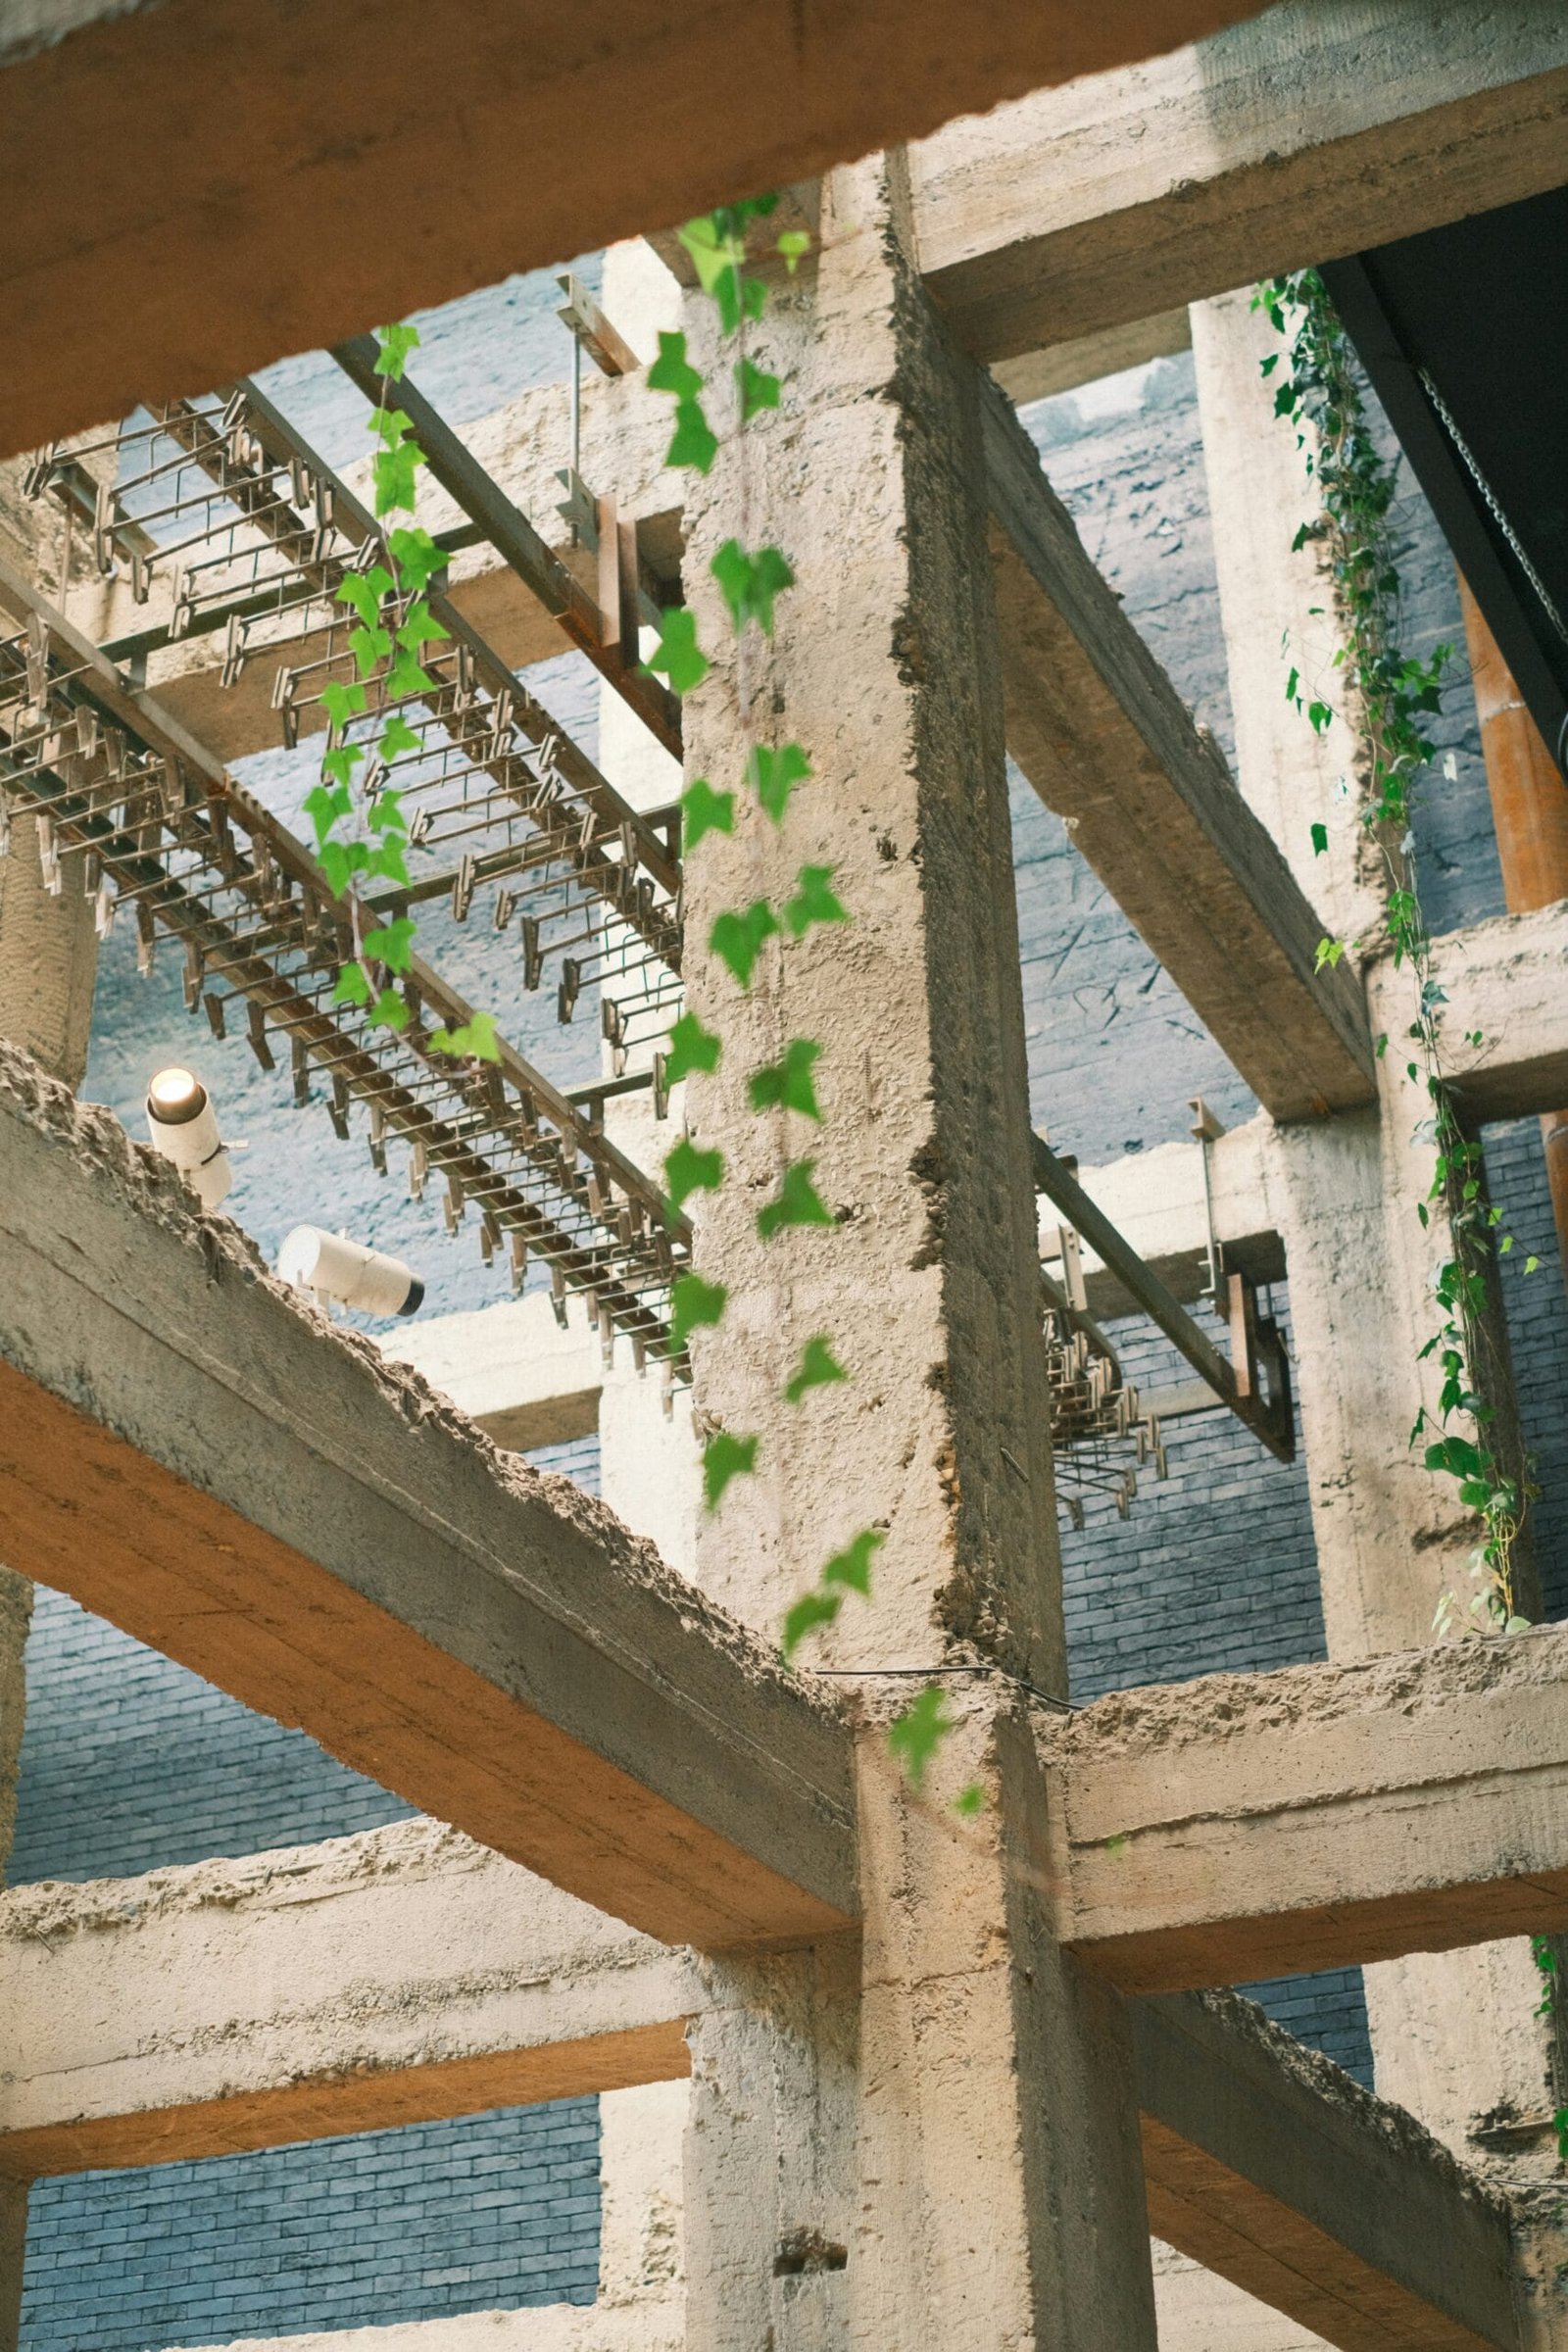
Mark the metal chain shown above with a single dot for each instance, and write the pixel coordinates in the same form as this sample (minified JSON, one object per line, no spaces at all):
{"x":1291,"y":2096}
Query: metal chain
{"x":1490,"y":495}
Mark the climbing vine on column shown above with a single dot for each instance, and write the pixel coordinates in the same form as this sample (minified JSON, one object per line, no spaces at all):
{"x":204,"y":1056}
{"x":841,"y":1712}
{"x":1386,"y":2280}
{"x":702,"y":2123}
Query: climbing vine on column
{"x":751,"y":580}
{"x":1388,"y":698}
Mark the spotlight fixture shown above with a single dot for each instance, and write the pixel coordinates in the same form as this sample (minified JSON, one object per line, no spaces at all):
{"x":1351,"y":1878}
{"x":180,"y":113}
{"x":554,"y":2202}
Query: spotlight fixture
{"x":183,"y":1127}
{"x":332,"y":1267}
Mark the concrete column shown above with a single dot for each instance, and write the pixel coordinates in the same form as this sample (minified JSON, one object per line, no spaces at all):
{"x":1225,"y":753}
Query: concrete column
{"x":998,"y":2192}
{"x":1453,"y":2036}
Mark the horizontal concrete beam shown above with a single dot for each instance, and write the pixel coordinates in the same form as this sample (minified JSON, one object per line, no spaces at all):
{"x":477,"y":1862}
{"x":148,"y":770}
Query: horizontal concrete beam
{"x":1108,"y":743}
{"x":1252,"y":1826}
{"x":397,"y":1977}
{"x":1311,"y":132}
{"x":511,"y":1368}
{"x":1506,"y":980}
{"x":1266,"y":2164}
{"x":268,"y":121}
{"x":188,"y":1451}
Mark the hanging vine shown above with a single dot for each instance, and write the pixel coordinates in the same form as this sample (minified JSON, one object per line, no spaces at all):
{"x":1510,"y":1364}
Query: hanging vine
{"x":1388,"y":698}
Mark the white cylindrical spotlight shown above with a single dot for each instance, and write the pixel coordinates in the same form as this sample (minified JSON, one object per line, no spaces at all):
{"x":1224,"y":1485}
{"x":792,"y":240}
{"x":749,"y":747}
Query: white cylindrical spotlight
{"x":334,"y":1268}
{"x":183,"y":1127}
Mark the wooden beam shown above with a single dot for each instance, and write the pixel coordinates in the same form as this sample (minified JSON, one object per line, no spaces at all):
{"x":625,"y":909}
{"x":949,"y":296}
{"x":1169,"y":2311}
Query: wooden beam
{"x":125,"y":277}
{"x":1252,"y":1826}
{"x":187,"y":1451}
{"x":1266,"y":2164}
{"x":1279,"y":143}
{"x":1108,"y":743}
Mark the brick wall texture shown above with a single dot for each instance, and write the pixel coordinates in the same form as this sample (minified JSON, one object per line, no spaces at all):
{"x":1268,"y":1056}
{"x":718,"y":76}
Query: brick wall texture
{"x":128,"y":1762}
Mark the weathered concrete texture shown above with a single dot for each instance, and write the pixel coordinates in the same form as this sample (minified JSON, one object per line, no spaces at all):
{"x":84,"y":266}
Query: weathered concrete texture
{"x":1269,"y":2165}
{"x":402,"y":1976}
{"x":48,"y":959}
{"x":1276,"y":607}
{"x":1504,"y":979}
{"x":1311,"y":132}
{"x":1105,"y":739}
{"x":317,"y":1533}
{"x":118,"y":296}
{"x":511,"y":1368}
{"x":998,"y":2188}
{"x":1256,"y":1824}
{"x":16,"y":1614}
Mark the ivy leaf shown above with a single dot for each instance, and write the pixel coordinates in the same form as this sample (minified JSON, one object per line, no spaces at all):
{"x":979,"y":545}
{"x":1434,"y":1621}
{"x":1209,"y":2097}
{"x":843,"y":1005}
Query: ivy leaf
{"x":819,"y":1367}
{"x":759,"y":389}
{"x":406,"y":677}
{"x":852,"y":1567}
{"x":369,"y":648}
{"x":390,"y":426}
{"x":392,"y":943}
{"x":705,"y":810}
{"x":725,"y":1457}
{"x":1457,"y":1456}
{"x":388,"y":1011}
{"x":815,"y":902}
{"x":688,"y":1171}
{"x":396,"y":343}
{"x":342,"y":702}
{"x":694,"y":1305}
{"x":385,"y":813}
{"x":798,"y":1202}
{"x":420,"y":627}
{"x":694,"y":442}
{"x":351,"y":986}
{"x":1318,"y":716}
{"x":339,"y":764}
{"x":394,"y":471}
{"x":793,"y":246}
{"x":1329,"y":951}
{"x":476,"y":1039}
{"x":970,"y":1800}
{"x":341,"y":861}
{"x":919,"y":1731}
{"x":363,"y":591}
{"x":324,"y":808}
{"x":749,"y":583}
{"x":691,"y":1048}
{"x":806,"y":1616}
{"x":1320,"y":840}
{"x":417,"y":556}
{"x":773,"y":775}
{"x":387,"y":860}
{"x":396,"y":736}
{"x":787,"y":1084}
{"x":672,"y":372}
{"x":677,"y":653}
{"x":737,"y":939}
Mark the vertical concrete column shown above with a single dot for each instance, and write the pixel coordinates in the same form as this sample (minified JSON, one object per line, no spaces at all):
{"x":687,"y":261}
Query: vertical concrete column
{"x":1454,"y":2034}
{"x":997,"y":2179}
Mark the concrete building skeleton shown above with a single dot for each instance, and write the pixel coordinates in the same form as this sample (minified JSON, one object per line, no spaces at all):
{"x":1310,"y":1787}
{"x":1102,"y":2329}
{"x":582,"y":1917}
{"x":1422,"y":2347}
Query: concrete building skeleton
{"x":882,"y":2075}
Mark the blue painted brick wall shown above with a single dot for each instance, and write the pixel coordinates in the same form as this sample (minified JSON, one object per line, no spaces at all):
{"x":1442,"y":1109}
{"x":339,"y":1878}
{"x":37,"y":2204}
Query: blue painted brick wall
{"x":489,"y":2212}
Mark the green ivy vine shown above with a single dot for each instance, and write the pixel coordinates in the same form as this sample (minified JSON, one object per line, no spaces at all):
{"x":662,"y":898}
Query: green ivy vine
{"x":1387,"y":699}
{"x":751,"y":581}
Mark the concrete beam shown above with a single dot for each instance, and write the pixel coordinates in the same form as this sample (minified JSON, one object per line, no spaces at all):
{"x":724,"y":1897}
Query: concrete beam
{"x":1249,"y":1826}
{"x":267,"y":122}
{"x":1507,"y":980}
{"x":1156,"y":1201}
{"x":1274,"y":2170}
{"x":1309,"y":133}
{"x":187,"y":1451}
{"x":401,"y":1976}
{"x":1108,"y":743}
{"x":511,"y":1368}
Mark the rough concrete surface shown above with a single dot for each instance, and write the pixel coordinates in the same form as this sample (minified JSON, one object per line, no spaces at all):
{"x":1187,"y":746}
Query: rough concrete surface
{"x":228,"y":1439}
{"x":1243,"y":1825}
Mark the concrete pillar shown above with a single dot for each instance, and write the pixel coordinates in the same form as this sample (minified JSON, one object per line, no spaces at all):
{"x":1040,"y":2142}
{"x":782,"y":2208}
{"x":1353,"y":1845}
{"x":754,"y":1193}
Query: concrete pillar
{"x":998,"y":2190}
{"x":1454,"y":2034}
